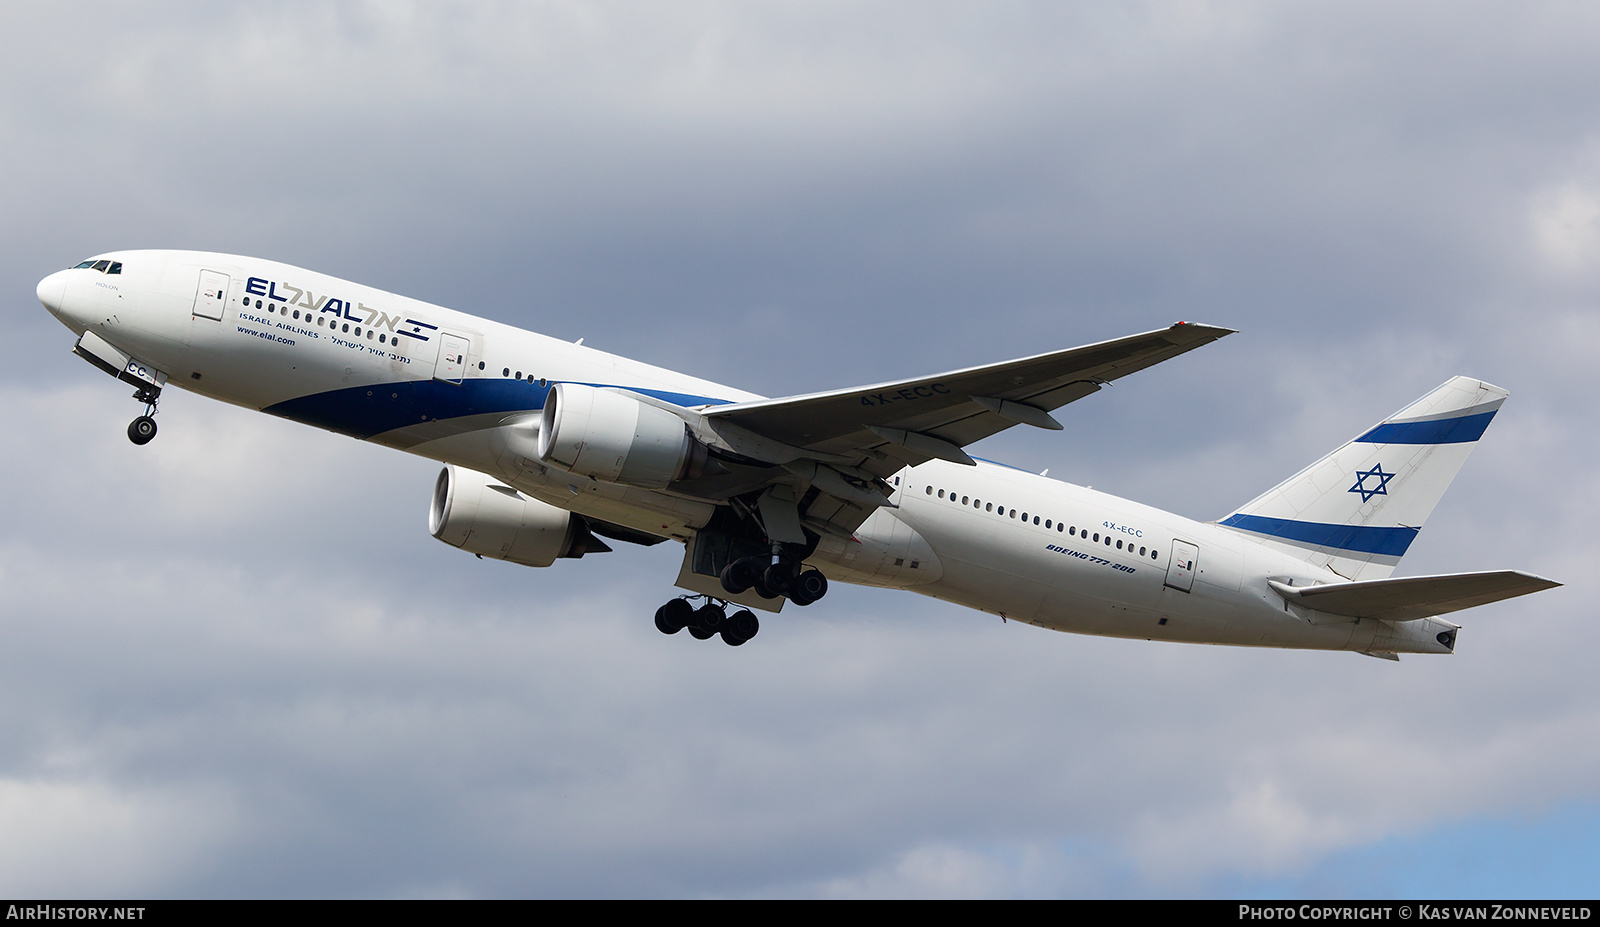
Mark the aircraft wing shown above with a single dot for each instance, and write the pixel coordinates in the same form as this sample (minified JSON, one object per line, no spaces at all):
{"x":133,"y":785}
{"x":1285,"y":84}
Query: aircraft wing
{"x":926,"y":417}
{"x":1413,"y":597}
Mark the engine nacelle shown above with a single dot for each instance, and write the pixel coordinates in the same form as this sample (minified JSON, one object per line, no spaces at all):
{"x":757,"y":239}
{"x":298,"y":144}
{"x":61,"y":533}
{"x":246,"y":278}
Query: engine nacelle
{"x":613,"y":437}
{"x":480,"y":515}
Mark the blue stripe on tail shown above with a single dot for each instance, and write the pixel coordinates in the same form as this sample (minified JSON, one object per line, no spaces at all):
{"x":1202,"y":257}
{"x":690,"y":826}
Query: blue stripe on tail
{"x":1391,"y":542}
{"x":1466,"y":428}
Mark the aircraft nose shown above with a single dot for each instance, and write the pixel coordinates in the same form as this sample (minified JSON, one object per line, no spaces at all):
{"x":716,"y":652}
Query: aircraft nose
{"x":53,"y":291}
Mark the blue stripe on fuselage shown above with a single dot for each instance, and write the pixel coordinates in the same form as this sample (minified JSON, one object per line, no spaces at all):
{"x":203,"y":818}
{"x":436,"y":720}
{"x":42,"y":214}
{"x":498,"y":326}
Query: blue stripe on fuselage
{"x":1439,"y":431}
{"x":365,"y":411}
{"x":1390,"y":542}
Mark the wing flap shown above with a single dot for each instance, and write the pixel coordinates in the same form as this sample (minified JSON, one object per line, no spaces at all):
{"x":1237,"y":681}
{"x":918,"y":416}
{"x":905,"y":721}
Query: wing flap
{"x":1413,"y":597}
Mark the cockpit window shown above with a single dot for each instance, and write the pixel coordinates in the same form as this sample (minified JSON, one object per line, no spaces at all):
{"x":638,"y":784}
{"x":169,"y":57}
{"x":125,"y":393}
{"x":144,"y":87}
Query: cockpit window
{"x":105,"y":267}
{"x":101,"y":265}
{"x":116,"y":267}
{"x":83,"y":265}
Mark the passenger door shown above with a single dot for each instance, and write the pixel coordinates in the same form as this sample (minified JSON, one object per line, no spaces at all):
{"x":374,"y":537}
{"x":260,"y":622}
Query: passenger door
{"x":211,"y":295}
{"x":1180,"y":571}
{"x":452,"y":363}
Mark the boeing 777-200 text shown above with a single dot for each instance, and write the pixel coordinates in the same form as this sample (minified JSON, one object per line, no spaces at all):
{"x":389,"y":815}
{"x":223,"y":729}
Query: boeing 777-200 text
{"x":550,"y":447}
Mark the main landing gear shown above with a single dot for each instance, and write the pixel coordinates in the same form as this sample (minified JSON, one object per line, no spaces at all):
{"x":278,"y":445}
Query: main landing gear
{"x":707,"y":621}
{"x":738,"y":551}
{"x":142,"y":429}
{"x":782,"y":576}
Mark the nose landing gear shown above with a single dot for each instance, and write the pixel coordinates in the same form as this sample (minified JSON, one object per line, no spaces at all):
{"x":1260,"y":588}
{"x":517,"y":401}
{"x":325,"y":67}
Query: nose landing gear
{"x":142,"y":429}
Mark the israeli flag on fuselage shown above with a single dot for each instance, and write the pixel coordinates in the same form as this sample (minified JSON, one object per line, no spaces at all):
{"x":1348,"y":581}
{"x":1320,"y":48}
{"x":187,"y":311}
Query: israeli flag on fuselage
{"x":1357,"y":510}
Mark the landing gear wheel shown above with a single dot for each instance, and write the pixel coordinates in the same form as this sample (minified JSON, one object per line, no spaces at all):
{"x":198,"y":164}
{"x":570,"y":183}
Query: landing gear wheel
{"x":704,"y":621}
{"x":808,"y":587}
{"x":740,"y":575}
{"x":740,"y":627}
{"x":777,"y":579}
{"x":141,"y":430}
{"x":708,"y":617}
{"x":673,"y":616}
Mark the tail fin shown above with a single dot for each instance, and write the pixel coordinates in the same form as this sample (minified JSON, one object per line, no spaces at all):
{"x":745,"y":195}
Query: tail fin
{"x":1356,"y":510}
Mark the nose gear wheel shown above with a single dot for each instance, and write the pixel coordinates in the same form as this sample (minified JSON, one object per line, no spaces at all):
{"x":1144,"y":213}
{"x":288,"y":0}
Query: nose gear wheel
{"x":143,"y":429}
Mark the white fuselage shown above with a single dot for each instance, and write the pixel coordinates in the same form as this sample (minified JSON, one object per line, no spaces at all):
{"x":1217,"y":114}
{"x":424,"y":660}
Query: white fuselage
{"x":453,"y":387}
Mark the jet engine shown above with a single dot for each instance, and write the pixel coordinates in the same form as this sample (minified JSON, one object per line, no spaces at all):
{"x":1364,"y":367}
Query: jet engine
{"x":480,"y":515}
{"x":614,"y":437}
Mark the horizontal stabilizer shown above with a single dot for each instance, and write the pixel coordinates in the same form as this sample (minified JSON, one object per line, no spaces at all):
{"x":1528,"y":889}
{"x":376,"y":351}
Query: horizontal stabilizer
{"x":1413,"y":597}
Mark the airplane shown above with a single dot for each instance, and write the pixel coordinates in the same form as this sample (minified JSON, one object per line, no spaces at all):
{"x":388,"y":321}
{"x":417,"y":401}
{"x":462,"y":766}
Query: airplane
{"x":552,"y":448}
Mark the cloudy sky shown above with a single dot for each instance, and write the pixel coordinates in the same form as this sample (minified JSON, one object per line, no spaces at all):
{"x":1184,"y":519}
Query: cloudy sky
{"x":234,"y":663}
